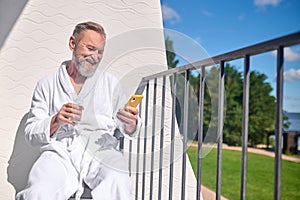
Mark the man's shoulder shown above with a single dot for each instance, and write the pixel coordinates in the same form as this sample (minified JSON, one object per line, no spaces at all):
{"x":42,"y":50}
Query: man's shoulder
{"x":111,"y":78}
{"x":53,"y":77}
{"x":109,"y":75}
{"x":47,"y":79}
{"x":107,"y":80}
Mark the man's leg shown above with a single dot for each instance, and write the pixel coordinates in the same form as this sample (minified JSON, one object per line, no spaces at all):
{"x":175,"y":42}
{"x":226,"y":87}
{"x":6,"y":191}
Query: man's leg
{"x":51,"y":177}
{"x":108,"y":181}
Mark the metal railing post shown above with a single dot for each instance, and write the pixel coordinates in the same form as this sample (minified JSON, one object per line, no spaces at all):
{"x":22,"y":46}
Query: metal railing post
{"x":200,"y":131}
{"x":220,"y":130}
{"x":246,"y":86}
{"x":145,"y":139}
{"x":138,"y":159}
{"x":278,"y":129}
{"x":173,"y":123}
{"x":185,"y":130}
{"x":161,"y":146}
{"x":153,"y":138}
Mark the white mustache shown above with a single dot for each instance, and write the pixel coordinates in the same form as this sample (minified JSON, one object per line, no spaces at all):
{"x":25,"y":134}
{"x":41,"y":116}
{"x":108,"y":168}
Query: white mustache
{"x":91,"y":60}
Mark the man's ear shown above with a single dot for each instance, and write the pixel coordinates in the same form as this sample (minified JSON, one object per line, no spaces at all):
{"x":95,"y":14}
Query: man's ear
{"x":72,"y":43}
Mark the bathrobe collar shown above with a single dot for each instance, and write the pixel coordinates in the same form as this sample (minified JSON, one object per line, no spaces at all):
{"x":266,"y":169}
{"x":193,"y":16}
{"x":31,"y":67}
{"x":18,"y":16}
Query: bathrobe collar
{"x":87,"y":87}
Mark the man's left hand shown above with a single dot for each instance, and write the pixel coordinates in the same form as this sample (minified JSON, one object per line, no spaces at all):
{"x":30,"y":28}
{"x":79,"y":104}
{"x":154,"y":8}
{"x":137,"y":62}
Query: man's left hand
{"x":129,"y":116}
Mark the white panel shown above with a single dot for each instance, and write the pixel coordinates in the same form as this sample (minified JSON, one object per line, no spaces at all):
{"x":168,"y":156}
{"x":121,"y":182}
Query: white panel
{"x":37,"y":42}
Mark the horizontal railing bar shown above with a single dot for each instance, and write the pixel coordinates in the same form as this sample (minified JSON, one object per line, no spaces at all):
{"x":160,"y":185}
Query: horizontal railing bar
{"x":255,"y":49}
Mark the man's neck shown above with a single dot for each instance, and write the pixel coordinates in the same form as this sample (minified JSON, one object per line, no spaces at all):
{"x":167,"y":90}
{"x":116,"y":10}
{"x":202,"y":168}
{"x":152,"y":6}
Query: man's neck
{"x":77,"y":79}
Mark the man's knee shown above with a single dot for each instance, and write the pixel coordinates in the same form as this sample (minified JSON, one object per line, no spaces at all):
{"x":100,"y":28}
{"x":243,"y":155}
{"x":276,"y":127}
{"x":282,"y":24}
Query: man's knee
{"x":32,"y":193}
{"x":44,"y":192}
{"x":114,"y":180}
{"x":118,"y":177}
{"x":115,"y":185}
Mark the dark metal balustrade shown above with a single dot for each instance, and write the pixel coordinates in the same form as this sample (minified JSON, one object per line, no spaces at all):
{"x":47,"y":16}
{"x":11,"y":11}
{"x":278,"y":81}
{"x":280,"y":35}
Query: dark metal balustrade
{"x":278,"y":45}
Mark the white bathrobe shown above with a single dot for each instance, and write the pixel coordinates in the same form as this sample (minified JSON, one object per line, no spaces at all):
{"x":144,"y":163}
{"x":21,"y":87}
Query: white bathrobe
{"x":84,"y":152}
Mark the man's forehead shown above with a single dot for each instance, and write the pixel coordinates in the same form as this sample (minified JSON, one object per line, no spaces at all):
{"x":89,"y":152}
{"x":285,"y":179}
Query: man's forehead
{"x":91,"y":37}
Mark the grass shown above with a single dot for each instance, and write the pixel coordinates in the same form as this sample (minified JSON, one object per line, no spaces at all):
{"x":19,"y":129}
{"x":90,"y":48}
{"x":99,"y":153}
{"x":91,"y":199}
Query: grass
{"x":260,"y":175}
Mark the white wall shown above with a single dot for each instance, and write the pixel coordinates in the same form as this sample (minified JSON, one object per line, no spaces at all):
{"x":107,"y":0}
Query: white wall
{"x":34,"y":41}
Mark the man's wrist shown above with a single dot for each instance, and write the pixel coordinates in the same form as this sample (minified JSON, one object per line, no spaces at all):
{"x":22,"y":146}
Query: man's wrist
{"x":54,"y":125}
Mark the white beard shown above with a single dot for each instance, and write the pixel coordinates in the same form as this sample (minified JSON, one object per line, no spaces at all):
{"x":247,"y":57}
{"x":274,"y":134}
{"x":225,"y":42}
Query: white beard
{"x":86,"y":66}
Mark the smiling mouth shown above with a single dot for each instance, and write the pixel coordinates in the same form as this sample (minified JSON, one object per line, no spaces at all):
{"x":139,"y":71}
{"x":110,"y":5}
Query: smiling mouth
{"x":91,"y":61}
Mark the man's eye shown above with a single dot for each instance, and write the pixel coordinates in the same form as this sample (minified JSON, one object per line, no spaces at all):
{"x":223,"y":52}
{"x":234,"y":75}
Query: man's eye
{"x":92,"y":49}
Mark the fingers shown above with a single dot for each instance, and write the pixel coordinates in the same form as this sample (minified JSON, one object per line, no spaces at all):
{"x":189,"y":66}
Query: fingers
{"x":132,"y":110}
{"x":64,"y":119}
{"x":73,"y":107}
{"x":73,"y":110}
{"x":129,"y":116}
{"x":69,"y":113}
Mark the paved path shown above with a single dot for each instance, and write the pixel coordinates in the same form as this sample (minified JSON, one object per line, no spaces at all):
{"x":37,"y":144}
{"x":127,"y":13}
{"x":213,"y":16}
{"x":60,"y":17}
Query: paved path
{"x":263,"y":152}
{"x":209,"y":194}
{"x":257,"y":151}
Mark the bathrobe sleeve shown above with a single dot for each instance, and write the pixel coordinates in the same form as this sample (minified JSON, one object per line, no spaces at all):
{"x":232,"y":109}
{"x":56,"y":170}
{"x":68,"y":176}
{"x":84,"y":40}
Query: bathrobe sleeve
{"x":37,"y":127}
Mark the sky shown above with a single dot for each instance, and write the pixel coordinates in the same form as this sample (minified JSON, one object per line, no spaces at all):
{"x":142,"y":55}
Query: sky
{"x":219,"y":26}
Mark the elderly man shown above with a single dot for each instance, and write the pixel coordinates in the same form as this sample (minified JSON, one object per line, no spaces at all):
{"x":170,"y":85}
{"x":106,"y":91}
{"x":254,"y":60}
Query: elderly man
{"x":73,"y":117}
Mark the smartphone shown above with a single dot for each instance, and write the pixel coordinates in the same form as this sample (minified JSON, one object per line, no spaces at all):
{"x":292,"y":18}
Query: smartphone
{"x":135,"y":100}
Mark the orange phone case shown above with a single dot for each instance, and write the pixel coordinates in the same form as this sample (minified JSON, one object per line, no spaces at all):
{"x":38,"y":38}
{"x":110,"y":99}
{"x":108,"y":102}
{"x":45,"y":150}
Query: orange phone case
{"x":135,"y":100}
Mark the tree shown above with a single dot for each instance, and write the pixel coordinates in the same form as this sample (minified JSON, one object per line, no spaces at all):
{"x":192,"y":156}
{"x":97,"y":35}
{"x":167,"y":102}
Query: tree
{"x":171,"y":61}
{"x":180,"y":89}
{"x":262,"y":105}
{"x":234,"y":107}
{"x":262,"y":108}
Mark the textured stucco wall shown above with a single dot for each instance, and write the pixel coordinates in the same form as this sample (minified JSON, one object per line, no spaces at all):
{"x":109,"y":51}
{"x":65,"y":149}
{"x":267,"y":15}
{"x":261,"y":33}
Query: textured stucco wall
{"x":34,"y":43}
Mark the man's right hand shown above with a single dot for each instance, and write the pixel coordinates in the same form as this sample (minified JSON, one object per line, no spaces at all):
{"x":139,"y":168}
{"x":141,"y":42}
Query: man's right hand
{"x":69,"y":113}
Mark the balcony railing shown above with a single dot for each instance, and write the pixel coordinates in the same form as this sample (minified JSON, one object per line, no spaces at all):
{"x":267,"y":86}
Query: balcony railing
{"x":151,"y":85}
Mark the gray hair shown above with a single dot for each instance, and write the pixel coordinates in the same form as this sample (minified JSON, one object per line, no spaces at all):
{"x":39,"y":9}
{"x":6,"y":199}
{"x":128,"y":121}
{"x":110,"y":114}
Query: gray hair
{"x":89,"y":26}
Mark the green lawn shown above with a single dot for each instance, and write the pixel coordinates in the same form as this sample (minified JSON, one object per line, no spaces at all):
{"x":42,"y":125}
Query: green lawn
{"x":260,"y":177}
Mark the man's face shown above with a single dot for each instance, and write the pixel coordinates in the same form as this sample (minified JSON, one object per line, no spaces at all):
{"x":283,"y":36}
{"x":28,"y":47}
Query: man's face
{"x":88,"y":52}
